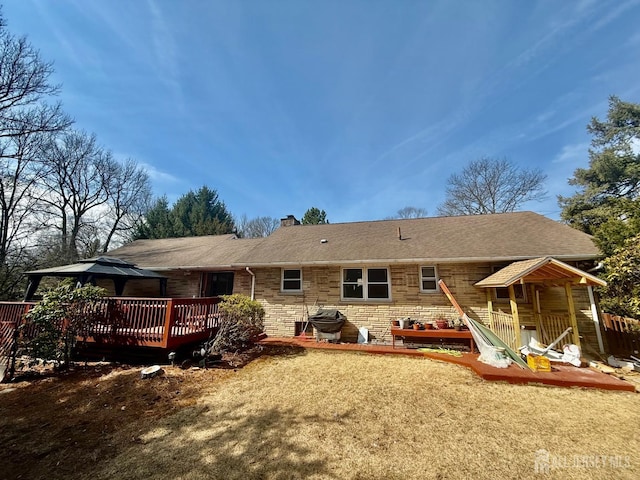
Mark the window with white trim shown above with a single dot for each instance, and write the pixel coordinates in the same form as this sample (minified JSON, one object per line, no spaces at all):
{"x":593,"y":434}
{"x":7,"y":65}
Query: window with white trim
{"x":366,"y":283}
{"x":429,"y":279}
{"x":291,"y":280}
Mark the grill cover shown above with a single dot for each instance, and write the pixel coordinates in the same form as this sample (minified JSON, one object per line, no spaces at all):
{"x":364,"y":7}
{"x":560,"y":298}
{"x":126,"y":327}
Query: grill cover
{"x":327,"y":320}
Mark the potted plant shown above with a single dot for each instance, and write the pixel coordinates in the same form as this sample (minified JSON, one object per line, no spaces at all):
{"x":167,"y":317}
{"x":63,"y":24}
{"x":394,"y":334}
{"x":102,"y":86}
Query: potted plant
{"x":417,"y":326}
{"x":458,"y":324}
{"x":441,"y":323}
{"x":428,"y":325}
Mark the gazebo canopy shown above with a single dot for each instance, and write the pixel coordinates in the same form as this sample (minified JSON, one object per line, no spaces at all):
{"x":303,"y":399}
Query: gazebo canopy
{"x":87,"y":271}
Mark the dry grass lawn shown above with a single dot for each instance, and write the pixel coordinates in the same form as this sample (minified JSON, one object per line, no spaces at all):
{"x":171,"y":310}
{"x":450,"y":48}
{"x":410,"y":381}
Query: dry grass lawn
{"x":315,"y":415}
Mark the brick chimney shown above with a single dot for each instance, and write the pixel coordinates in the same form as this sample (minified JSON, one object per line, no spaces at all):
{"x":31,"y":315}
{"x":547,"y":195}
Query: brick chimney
{"x":289,"y":221}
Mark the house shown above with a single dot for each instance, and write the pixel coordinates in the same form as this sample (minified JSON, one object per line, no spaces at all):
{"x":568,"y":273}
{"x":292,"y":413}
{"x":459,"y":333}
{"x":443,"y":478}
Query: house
{"x":518,"y":272}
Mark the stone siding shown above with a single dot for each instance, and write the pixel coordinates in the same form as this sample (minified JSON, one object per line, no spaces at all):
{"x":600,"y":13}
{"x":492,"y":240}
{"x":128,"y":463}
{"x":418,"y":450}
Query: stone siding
{"x":322,"y":288}
{"x":180,"y":284}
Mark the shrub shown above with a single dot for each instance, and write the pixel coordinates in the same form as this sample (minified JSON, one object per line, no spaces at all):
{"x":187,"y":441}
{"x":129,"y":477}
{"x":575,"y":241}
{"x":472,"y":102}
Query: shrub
{"x":621,"y":296}
{"x":54,"y":324}
{"x":241,"y":321}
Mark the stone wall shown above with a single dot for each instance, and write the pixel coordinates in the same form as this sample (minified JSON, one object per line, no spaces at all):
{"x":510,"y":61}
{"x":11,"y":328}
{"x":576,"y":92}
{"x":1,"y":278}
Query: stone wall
{"x":180,"y":284}
{"x":321,"y":288}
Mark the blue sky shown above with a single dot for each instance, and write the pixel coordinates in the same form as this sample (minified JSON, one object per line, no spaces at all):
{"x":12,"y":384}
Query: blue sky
{"x":359,"y":108}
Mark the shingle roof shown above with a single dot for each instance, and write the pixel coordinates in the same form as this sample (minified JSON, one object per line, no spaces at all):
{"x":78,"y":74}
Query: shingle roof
{"x":499,"y":237}
{"x":545,"y":269}
{"x":186,"y":252}
{"x":508,"y":236}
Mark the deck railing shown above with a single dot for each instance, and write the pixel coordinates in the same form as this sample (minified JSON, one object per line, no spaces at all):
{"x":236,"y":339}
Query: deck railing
{"x":146,"y":322}
{"x":552,"y":326}
{"x":189,"y":318}
{"x":11,"y":316}
{"x":502,"y":325}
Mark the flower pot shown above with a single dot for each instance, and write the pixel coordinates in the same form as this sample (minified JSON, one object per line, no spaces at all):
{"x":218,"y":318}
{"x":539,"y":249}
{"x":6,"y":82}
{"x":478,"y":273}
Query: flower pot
{"x":457,"y":328}
{"x":428,"y":326}
{"x":416,"y":326}
{"x":441,"y":323}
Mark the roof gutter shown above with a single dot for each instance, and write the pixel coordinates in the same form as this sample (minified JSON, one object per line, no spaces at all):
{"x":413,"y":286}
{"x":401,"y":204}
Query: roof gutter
{"x":371,"y":261}
{"x":390,"y":261}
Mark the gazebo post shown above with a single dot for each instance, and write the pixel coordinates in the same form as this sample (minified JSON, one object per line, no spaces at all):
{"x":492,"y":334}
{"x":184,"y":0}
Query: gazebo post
{"x":515,"y":315}
{"x":537,"y":312}
{"x":572,"y":313}
{"x":489,"y":306}
{"x":32,"y":286}
{"x":118,"y":284}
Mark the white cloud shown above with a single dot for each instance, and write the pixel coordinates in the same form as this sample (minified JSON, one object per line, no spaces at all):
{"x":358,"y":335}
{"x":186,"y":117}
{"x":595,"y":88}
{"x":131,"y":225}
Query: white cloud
{"x":573,"y":153}
{"x":158,"y":175}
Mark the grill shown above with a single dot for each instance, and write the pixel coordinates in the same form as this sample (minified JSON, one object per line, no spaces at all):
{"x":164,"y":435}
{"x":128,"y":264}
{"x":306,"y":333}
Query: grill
{"x":328,"y":323}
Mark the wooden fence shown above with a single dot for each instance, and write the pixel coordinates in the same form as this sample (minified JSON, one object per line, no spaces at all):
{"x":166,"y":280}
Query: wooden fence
{"x":622,"y":334}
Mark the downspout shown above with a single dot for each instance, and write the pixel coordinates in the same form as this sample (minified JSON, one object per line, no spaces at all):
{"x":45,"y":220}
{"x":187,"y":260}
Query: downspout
{"x":253,"y":282}
{"x":596,"y":319}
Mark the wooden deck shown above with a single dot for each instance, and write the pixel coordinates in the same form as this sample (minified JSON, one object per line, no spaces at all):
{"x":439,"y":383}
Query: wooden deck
{"x":157,"y":323}
{"x":166,"y":323}
{"x":561,"y":376}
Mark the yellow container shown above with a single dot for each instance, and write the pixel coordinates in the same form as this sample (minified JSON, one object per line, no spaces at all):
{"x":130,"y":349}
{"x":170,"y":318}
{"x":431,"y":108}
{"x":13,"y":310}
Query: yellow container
{"x":538,"y":363}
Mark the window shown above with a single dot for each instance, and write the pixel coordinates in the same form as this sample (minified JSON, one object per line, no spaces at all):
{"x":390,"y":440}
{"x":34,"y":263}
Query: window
{"x":366,"y":283}
{"x":428,"y":279}
{"x":217,"y":283}
{"x":291,"y":280}
{"x":501,"y":294}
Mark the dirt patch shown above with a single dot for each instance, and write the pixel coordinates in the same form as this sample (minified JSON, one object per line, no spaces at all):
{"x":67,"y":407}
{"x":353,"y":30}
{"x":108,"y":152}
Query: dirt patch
{"x":296,"y":414}
{"x":70,"y":422}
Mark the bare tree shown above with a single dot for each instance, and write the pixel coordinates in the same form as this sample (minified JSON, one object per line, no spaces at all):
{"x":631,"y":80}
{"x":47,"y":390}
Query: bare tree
{"x":79,"y":173}
{"x":24,"y":84}
{"x":18,"y":175}
{"x":25,"y":120}
{"x":257,"y":227}
{"x":410,"y":212}
{"x":491,"y":185}
{"x":129,"y":192}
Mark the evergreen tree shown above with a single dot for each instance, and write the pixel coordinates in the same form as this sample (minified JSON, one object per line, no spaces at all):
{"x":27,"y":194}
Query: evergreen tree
{"x":158,"y":222}
{"x":607,"y":203}
{"x":194,"y":214}
{"x":314,"y":216}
